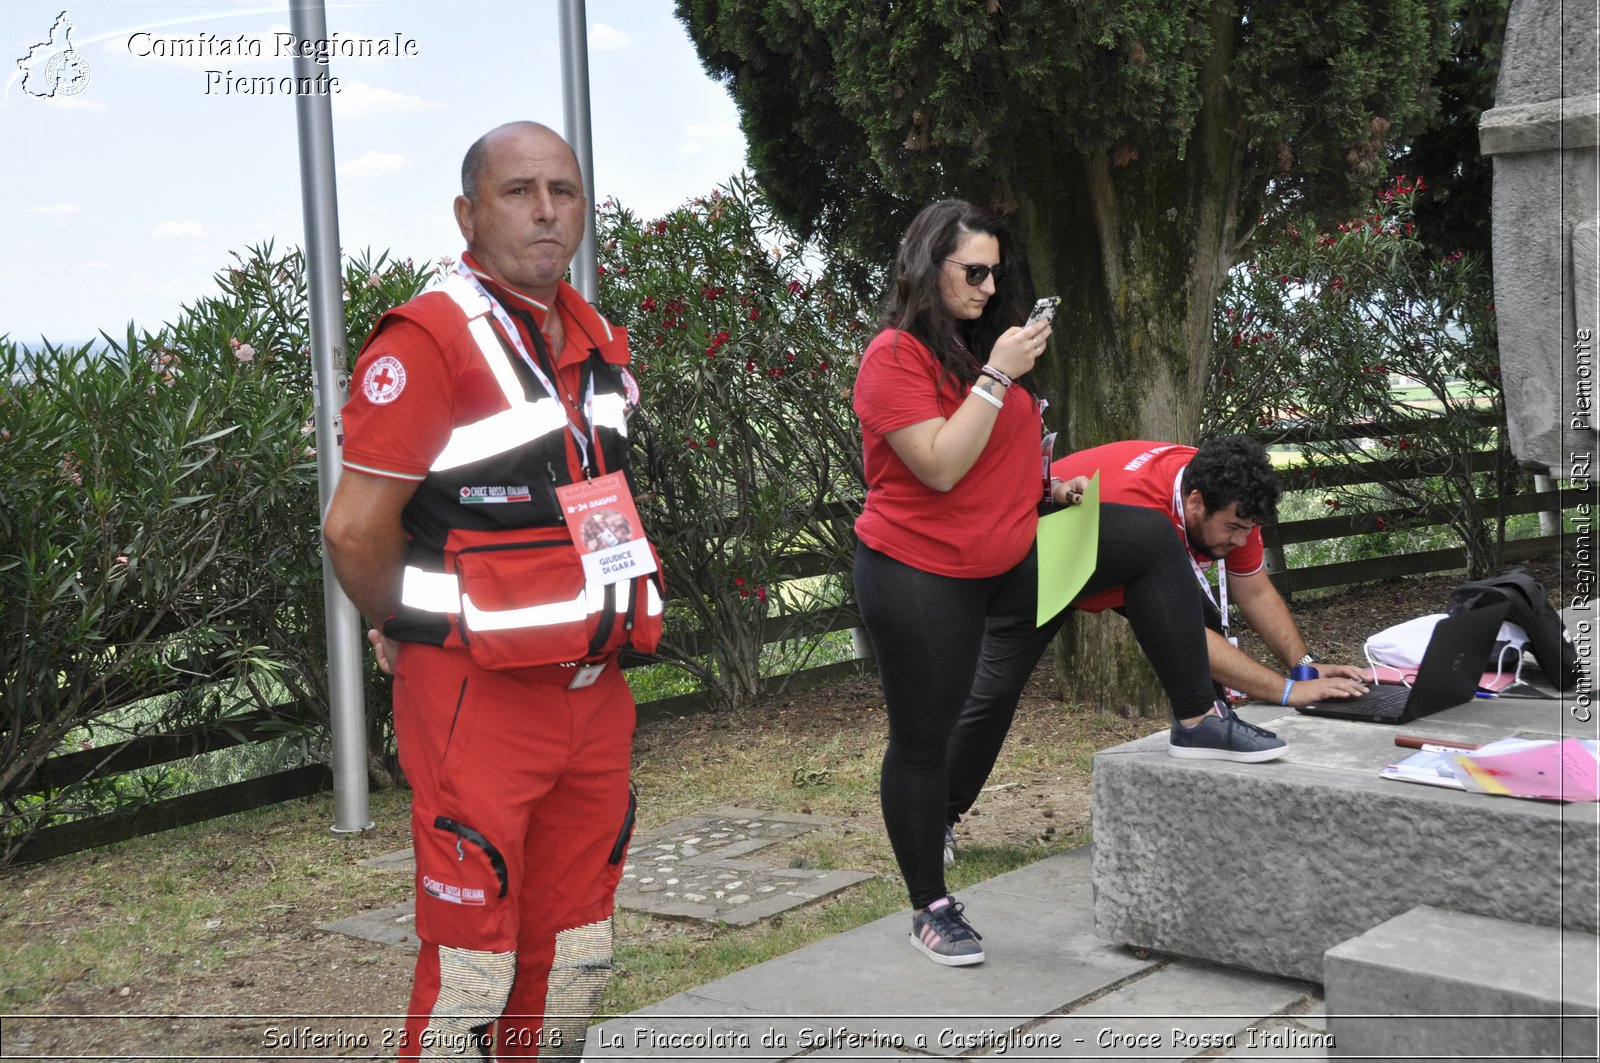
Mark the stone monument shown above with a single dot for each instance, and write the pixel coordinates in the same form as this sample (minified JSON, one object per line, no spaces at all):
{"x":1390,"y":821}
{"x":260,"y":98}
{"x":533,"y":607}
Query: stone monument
{"x":1543,"y":135}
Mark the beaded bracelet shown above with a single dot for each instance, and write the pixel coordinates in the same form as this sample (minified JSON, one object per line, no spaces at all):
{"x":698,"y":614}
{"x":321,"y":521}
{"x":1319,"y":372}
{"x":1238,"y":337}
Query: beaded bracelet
{"x":994,"y":374}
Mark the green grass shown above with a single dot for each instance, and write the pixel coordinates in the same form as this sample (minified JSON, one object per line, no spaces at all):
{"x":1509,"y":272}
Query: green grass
{"x":191,"y":899}
{"x":218,"y":899}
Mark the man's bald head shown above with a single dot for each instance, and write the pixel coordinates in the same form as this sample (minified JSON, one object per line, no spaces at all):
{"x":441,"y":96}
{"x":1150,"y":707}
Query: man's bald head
{"x":477,"y":156}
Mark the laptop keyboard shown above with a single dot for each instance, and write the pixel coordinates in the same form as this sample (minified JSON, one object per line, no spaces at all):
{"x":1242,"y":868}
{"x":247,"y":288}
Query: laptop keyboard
{"x":1385,"y":701}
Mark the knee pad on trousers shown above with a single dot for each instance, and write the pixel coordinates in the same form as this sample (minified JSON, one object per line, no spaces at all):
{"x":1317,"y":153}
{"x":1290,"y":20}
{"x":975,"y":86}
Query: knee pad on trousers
{"x":473,"y":987}
{"x":578,"y":976}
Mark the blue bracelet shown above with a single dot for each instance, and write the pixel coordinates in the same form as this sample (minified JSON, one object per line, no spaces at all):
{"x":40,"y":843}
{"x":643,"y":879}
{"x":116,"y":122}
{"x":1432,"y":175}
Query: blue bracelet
{"x":1288,"y":685}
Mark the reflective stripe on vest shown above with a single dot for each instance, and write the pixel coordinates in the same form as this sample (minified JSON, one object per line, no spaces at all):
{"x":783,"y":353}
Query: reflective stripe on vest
{"x":589,"y":600}
{"x":438,"y":592}
{"x":518,"y":425}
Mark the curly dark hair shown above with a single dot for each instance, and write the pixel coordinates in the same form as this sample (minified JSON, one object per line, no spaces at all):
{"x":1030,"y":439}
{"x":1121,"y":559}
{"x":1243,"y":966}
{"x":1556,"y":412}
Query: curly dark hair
{"x":1234,"y":469}
{"x":914,"y":304}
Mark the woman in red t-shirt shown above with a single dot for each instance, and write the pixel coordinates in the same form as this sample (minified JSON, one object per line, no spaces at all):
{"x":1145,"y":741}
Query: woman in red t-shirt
{"x":951,"y":428}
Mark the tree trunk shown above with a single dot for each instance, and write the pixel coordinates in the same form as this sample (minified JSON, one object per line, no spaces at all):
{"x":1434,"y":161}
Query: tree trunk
{"x":1138,"y":253}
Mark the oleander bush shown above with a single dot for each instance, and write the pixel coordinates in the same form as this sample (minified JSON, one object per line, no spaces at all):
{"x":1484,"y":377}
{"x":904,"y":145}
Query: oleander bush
{"x":1323,"y":329}
{"x":748,"y":454}
{"x":160,"y":558}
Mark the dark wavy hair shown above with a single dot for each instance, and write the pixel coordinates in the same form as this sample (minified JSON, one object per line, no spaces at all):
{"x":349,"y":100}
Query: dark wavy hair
{"x":1234,"y":469}
{"x":915,"y":305}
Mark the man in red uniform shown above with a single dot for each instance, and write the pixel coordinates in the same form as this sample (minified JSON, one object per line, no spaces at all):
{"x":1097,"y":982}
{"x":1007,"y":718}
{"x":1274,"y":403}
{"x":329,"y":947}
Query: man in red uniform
{"x":1217,"y":497}
{"x":475,"y":411}
{"x":1230,"y":491}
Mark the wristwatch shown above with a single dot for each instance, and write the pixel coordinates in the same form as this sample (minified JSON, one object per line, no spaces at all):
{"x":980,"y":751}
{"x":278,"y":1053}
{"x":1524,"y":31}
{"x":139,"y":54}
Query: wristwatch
{"x":1307,"y":659}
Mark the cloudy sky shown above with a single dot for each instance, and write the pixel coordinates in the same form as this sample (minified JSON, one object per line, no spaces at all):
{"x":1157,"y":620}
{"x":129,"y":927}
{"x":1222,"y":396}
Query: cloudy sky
{"x":119,"y":201}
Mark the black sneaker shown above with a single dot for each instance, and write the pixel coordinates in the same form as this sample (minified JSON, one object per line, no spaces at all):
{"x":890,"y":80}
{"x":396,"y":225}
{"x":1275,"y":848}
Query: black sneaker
{"x":944,"y":934}
{"x":1222,"y":735}
{"x":949,"y":844}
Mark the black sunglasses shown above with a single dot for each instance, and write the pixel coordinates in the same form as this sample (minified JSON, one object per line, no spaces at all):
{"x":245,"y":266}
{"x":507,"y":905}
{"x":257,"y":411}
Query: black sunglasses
{"x":977,"y":274}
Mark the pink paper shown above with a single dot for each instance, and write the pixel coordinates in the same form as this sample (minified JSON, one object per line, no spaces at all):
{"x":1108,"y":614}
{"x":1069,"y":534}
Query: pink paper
{"x":1558,"y":771}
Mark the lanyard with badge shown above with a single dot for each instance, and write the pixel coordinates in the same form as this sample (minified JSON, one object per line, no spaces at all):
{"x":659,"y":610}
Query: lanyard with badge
{"x":1200,"y":573}
{"x":580,"y":436}
{"x":1220,"y":599}
{"x":599,"y":511}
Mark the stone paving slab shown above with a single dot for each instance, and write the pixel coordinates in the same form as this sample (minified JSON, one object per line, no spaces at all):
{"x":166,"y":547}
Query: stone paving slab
{"x":399,"y":860}
{"x":691,"y":868}
{"x":395,"y":926}
{"x":1181,"y":1010}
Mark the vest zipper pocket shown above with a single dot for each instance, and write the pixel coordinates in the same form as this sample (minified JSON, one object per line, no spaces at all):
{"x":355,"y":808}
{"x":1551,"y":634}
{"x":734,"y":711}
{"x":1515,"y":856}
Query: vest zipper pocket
{"x":494,"y":584}
{"x":491,"y":547}
{"x":461,"y":622}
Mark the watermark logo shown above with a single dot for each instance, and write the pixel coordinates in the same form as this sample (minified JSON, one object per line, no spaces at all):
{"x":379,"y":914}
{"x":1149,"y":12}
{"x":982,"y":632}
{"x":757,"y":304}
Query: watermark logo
{"x":54,"y":67}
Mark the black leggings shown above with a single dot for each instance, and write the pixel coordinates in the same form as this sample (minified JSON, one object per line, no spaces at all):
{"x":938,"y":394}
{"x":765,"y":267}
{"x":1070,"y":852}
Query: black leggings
{"x":941,"y":640}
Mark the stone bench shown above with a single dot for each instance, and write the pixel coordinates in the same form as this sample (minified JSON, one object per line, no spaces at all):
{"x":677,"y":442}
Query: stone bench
{"x":1432,"y":984}
{"x":1268,"y":866}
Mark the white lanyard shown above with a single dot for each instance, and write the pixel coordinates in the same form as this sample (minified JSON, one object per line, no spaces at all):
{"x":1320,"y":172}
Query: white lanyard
{"x":1200,"y":573}
{"x":515,"y":338}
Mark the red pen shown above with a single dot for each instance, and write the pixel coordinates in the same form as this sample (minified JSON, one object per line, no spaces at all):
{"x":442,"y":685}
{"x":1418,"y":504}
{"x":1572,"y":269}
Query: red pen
{"x":1417,"y":742}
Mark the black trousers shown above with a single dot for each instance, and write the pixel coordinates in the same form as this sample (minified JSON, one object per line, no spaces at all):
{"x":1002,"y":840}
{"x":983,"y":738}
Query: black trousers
{"x":954,"y":654}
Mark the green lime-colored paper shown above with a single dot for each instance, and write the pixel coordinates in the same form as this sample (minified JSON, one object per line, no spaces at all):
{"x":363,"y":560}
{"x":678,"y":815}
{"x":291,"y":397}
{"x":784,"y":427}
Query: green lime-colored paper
{"x":1069,"y":542}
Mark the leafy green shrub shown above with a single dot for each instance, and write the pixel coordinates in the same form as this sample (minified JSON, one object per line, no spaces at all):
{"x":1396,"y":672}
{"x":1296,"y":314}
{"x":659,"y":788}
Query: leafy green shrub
{"x":748,"y":452}
{"x":160,"y":559}
{"x":1360,"y":345}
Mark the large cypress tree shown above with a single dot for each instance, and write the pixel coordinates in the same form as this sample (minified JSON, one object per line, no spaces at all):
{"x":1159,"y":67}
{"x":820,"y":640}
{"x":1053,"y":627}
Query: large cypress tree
{"x":1135,"y":143}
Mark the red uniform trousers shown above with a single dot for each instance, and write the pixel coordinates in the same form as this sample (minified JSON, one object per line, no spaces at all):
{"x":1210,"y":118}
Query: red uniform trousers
{"x":520,"y":818}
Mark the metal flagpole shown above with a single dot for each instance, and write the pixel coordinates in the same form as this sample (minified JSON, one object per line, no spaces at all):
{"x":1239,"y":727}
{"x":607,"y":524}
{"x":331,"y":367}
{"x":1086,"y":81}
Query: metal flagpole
{"x":325,"y":284}
{"x":575,"y":115}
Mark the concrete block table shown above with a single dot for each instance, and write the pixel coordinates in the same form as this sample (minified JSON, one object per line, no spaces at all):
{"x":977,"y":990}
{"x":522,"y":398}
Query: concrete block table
{"x":1267,"y":866}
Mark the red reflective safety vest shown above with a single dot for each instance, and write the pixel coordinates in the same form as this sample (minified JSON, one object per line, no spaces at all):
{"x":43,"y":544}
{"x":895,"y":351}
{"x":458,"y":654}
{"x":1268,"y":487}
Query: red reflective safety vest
{"x":491,"y":567}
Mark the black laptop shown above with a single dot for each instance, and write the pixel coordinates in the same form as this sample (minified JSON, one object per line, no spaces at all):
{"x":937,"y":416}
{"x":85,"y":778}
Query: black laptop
{"x":1448,"y":676}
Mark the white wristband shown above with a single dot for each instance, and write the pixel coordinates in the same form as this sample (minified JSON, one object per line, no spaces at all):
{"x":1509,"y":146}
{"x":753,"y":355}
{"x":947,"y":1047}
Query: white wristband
{"x":998,"y":404}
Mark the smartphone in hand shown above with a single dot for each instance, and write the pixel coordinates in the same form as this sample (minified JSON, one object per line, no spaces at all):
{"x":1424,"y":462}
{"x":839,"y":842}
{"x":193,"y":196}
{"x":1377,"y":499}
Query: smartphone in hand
{"x":1043,"y":310}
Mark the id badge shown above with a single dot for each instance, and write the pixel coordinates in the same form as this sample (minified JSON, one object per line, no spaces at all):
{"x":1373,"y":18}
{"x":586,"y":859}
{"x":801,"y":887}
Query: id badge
{"x":587,"y":674}
{"x":605,"y":528}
